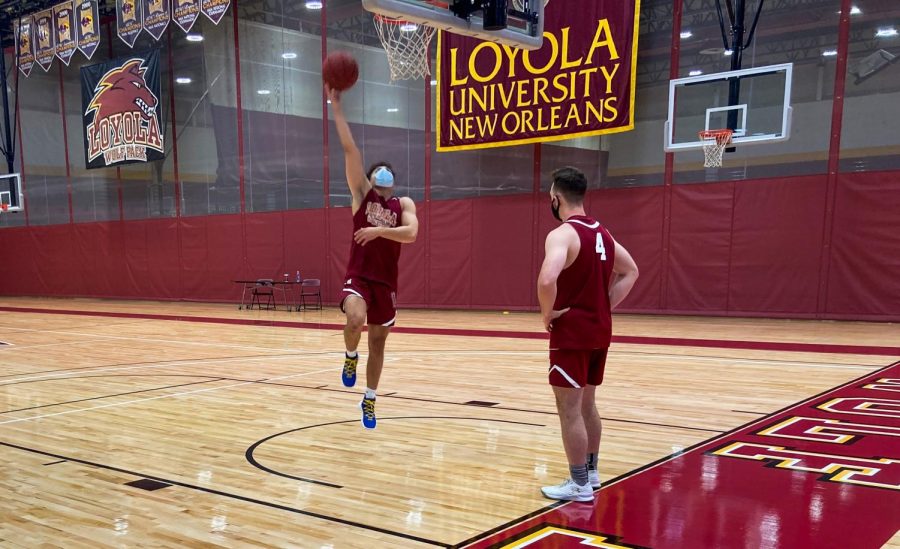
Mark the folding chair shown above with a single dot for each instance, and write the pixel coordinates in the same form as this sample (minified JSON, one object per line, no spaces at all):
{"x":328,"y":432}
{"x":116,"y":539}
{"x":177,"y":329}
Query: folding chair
{"x":311,"y":287}
{"x":264,"y":287}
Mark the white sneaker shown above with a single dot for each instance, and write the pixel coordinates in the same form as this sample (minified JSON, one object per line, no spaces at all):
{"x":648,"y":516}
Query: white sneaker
{"x":569,"y":491}
{"x":594,"y":478}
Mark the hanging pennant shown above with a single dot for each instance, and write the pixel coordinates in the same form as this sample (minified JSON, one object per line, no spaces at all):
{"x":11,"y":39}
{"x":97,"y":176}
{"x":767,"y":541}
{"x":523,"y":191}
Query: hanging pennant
{"x":128,"y":20}
{"x":214,"y":9}
{"x":156,"y":16}
{"x":24,"y":46}
{"x":87,"y":32}
{"x":64,"y":25}
{"x":45,"y":45}
{"x":185,"y":13}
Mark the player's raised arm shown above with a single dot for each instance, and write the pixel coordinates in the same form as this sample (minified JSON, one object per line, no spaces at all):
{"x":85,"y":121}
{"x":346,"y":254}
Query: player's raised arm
{"x":626,"y":274}
{"x":353,"y":163}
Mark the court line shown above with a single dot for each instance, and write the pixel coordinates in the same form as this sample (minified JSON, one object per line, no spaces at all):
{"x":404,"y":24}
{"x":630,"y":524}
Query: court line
{"x":641,"y":340}
{"x":239,"y":497}
{"x":665,"y":459}
{"x":115,"y":395}
{"x":117,"y":404}
{"x":188,"y":362}
{"x":147,"y":362}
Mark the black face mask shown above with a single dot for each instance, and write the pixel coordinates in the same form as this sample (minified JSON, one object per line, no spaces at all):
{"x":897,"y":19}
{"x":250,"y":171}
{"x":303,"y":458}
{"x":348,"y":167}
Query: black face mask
{"x":555,"y":209}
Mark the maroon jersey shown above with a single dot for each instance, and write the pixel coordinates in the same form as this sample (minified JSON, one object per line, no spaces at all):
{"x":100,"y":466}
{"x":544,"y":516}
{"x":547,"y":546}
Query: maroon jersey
{"x":376,"y":261}
{"x":584,"y":287}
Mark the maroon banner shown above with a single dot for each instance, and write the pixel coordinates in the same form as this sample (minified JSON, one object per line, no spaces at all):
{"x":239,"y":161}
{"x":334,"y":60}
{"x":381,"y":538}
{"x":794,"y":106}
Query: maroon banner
{"x":579,"y":83}
{"x":185,"y":13}
{"x":24,"y":45}
{"x":214,"y":9}
{"x":45,"y":43}
{"x":88,"y":29}
{"x":128,"y":20}
{"x":64,"y":27}
{"x":156,"y":16}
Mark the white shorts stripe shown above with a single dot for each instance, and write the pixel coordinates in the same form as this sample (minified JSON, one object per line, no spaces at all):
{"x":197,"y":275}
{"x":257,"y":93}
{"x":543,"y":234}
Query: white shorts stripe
{"x":565,"y":375}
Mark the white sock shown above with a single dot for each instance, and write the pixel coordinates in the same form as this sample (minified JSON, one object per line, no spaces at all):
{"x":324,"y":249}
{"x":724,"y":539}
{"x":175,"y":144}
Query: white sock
{"x":370,"y":393}
{"x":351,"y":354}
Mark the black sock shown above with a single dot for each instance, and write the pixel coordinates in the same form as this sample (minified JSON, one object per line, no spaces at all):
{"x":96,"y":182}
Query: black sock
{"x":579,"y":474}
{"x":592,"y":462}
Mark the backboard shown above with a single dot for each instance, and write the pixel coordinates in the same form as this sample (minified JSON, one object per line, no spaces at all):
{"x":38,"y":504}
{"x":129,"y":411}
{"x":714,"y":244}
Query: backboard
{"x":524,"y":25}
{"x":11,"y":192}
{"x":755,"y":103}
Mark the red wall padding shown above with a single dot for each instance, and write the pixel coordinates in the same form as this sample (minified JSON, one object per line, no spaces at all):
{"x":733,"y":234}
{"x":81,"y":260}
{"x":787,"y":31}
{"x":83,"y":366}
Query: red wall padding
{"x":753,"y":247}
{"x":864,"y":267}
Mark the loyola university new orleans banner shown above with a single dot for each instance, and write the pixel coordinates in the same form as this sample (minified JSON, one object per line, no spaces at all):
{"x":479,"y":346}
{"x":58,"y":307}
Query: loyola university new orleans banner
{"x":128,"y":20}
{"x":580,"y":82}
{"x":185,"y":13}
{"x":120,"y":102}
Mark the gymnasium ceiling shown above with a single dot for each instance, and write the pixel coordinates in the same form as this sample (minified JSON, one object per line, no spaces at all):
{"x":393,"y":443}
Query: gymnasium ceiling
{"x":797,"y":31}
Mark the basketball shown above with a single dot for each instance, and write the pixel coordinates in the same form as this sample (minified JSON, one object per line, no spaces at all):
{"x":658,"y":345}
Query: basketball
{"x":340,"y":70}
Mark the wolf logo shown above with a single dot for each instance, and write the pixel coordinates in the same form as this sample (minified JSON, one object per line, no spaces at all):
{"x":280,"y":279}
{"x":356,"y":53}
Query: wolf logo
{"x":123,"y":90}
{"x":63,"y":31}
{"x":24,"y":42}
{"x":87,"y":22}
{"x":43,"y":35}
{"x":129,"y":13}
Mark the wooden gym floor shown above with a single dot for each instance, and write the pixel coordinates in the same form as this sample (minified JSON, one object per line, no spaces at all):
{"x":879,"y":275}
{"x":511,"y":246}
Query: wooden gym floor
{"x":239,"y":433}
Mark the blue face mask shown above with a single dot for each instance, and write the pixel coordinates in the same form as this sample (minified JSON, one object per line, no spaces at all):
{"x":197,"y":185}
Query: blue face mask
{"x":383,"y":177}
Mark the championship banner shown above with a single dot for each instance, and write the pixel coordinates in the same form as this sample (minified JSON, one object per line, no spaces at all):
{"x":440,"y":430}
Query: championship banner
{"x":214,"y":9}
{"x":579,"y":83}
{"x":24,"y":45}
{"x":120,"y":102}
{"x":64,"y":25}
{"x":156,"y":17}
{"x":45,"y":46}
{"x":185,"y":13}
{"x":128,"y":20}
{"x":88,"y":28}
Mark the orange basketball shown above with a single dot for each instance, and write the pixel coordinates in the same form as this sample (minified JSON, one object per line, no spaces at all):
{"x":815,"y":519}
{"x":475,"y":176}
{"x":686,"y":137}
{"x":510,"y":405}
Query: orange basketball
{"x":340,"y":70}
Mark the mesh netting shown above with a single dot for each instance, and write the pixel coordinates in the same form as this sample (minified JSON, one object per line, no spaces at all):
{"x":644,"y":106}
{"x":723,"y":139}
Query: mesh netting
{"x":714,"y":144}
{"x":406,"y":45}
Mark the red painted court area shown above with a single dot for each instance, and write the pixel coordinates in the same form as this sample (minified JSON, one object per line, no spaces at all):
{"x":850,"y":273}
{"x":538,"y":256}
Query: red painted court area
{"x":820,"y":474}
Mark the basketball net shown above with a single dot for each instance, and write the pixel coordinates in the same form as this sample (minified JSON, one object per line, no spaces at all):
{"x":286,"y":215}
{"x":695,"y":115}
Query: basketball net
{"x":714,"y":144}
{"x":406,"y":45}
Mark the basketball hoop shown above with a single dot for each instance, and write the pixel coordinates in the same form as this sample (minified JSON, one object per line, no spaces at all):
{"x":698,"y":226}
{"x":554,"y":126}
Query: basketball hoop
{"x":714,"y":144}
{"x":406,"y":44}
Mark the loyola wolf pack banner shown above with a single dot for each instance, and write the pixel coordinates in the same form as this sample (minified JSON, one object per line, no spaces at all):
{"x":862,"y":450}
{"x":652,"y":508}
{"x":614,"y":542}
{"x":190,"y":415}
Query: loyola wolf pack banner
{"x":120,"y":102}
{"x":128,"y":20}
{"x":88,"y":33}
{"x":156,"y":17}
{"x":24,"y":45}
{"x":64,"y":25}
{"x":45,"y":46}
{"x":580,"y":82}
{"x":185,"y":13}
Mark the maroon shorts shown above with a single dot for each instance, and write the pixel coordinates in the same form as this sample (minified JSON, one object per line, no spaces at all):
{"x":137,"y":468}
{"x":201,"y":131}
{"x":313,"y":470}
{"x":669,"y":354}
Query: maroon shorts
{"x":577,"y":368}
{"x":381,"y":300}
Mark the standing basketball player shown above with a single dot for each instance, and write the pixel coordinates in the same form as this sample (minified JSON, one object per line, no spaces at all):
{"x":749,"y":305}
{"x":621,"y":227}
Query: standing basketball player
{"x":584,"y":276}
{"x":381,"y":223}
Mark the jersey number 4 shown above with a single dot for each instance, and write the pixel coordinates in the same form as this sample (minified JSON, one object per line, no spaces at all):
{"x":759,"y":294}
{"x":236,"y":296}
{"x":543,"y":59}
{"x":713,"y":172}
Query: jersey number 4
{"x":600,"y":249}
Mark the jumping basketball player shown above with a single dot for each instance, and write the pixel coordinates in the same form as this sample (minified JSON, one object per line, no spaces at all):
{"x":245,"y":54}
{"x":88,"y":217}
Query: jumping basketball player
{"x":381,"y":223}
{"x":584,"y":276}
